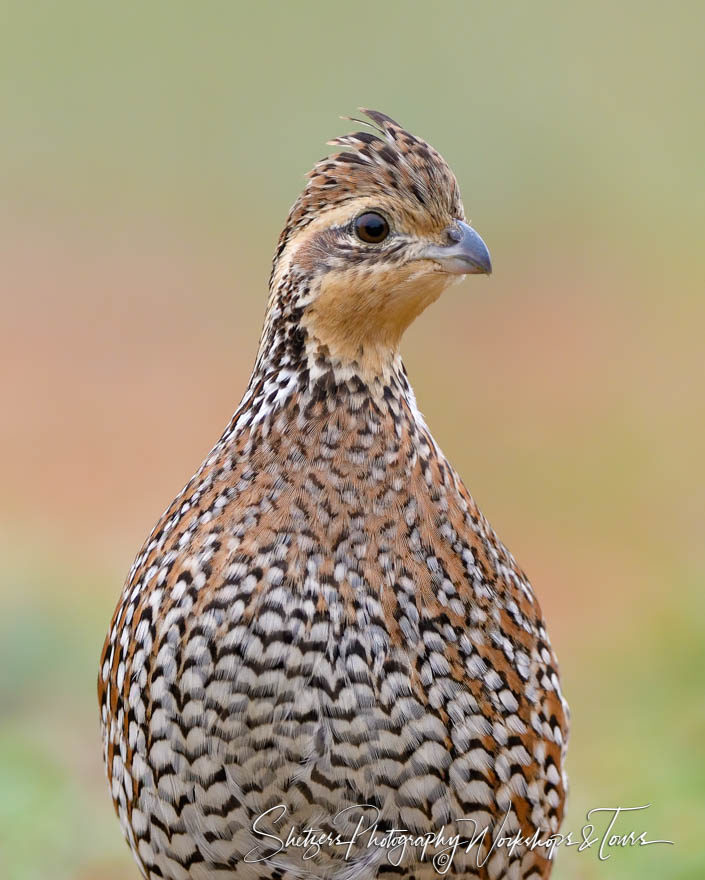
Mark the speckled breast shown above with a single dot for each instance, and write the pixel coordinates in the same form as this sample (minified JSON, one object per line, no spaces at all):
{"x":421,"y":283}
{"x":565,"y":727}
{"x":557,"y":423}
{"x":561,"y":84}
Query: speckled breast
{"x":323,"y":632}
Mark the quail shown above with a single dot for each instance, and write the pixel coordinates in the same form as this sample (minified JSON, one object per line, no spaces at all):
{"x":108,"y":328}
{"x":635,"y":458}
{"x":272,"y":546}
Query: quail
{"x":324,"y":662}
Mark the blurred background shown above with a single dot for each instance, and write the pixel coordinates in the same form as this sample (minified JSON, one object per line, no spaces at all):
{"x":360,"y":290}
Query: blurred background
{"x":149,"y":155}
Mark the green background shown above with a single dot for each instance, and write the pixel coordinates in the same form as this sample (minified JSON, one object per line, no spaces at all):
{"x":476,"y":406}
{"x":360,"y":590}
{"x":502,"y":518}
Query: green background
{"x":149,"y":154}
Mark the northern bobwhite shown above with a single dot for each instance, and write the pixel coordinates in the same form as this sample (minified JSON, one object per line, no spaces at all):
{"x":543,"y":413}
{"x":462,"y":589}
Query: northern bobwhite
{"x":323,"y":635}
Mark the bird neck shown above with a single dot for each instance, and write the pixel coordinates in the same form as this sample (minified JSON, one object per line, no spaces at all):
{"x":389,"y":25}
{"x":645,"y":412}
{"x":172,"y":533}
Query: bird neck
{"x":294,"y":365}
{"x":317,"y":342}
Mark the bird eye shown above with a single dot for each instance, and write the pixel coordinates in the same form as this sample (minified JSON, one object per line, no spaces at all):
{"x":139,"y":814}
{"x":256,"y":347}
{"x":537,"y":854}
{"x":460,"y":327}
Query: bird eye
{"x":371,"y":228}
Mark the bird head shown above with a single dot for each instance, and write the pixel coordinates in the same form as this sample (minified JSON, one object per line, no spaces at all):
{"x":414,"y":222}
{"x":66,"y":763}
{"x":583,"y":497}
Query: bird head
{"x":376,"y":236}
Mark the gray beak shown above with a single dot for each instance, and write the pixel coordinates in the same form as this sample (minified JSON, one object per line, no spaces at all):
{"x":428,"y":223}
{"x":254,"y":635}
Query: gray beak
{"x":466,"y":253}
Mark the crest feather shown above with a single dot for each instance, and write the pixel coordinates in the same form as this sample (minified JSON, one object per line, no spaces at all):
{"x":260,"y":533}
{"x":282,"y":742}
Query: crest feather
{"x":386,"y":161}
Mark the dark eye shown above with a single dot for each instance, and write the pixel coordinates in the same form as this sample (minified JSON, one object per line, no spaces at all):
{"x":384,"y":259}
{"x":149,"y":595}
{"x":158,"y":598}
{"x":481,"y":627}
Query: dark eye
{"x":371,"y":228}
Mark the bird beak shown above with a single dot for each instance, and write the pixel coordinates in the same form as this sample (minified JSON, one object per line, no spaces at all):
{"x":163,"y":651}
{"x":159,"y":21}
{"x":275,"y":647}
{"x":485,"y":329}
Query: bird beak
{"x":466,"y":254}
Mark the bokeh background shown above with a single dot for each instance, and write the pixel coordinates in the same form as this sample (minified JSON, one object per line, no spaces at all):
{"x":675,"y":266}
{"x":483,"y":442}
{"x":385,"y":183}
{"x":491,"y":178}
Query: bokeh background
{"x":148,"y":157}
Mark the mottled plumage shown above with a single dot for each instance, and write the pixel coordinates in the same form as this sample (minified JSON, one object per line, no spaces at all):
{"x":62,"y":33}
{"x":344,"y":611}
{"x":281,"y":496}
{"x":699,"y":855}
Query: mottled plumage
{"x":322,"y":618}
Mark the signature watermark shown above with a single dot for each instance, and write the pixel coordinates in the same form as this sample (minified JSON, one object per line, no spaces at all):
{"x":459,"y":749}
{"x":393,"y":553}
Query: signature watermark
{"x":365,"y":830}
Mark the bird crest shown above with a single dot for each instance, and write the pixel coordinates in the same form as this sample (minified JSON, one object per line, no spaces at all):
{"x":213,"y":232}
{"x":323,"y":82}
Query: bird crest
{"x":388,"y":160}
